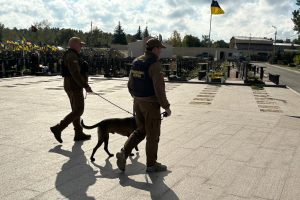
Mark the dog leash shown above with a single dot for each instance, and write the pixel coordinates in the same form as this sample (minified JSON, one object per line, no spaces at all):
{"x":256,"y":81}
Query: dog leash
{"x":111,"y":103}
{"x":163,"y":114}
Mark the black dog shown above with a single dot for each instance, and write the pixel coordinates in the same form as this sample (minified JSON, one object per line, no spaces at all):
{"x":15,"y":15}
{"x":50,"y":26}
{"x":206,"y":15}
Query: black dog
{"x":124,"y":126}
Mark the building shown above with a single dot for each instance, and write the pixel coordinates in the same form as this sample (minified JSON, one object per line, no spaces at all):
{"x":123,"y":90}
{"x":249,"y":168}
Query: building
{"x":216,"y":53}
{"x":137,"y":48}
{"x":254,"y":47}
{"x":286,"y":47}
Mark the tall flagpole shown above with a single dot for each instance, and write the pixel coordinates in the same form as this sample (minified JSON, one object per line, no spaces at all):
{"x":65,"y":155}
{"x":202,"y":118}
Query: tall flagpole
{"x":209,"y":30}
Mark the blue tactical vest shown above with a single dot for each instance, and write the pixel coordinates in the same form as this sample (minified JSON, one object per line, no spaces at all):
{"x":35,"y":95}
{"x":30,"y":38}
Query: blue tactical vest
{"x":142,"y":83}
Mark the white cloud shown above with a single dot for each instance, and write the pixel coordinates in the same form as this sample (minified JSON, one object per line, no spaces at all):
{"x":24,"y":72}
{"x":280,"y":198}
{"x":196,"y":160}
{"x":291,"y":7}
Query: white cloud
{"x":241,"y":17}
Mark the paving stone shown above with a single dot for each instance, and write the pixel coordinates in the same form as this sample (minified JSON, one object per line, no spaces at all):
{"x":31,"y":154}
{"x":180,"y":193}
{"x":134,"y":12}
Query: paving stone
{"x":208,"y":167}
{"x":269,"y":158}
{"x":271,"y":184}
{"x":246,"y":182}
{"x":244,"y":153}
{"x":231,"y":197}
{"x":225,"y":150}
{"x":227,"y":172}
{"x":291,"y":189}
{"x":191,"y":188}
{"x":21,"y":194}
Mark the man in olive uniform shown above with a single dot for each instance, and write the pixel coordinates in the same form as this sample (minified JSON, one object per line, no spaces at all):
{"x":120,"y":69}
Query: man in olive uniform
{"x":146,"y":85}
{"x":75,"y":80}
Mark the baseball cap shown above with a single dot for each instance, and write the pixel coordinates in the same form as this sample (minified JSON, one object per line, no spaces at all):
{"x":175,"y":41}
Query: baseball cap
{"x":76,"y":40}
{"x":153,"y":42}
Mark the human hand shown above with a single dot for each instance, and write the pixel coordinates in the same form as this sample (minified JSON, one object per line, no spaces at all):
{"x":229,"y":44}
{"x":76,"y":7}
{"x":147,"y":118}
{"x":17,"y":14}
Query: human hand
{"x":169,"y":112}
{"x":88,"y":89}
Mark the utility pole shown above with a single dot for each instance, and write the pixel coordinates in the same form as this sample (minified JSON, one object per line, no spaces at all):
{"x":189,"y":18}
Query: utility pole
{"x":91,"y":26}
{"x":274,"y":45}
{"x":91,"y":36}
{"x":249,"y":47}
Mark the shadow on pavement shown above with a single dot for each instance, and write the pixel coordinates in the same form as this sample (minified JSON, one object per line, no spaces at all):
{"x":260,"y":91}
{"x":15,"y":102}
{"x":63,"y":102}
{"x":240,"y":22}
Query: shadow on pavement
{"x":297,"y":117}
{"x":76,"y":175}
{"x":154,"y":182}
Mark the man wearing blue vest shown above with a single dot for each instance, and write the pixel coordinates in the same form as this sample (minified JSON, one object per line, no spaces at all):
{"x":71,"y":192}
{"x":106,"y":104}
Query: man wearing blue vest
{"x":146,"y":85}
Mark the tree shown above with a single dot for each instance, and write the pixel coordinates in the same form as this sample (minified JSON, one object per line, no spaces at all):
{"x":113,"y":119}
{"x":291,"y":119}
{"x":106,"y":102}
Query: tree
{"x":175,"y":39}
{"x":297,"y":40}
{"x":205,"y":41}
{"x":94,"y":38}
{"x":146,"y":32}
{"x":138,"y":35}
{"x":44,"y":24}
{"x":279,"y":41}
{"x":130,"y":38}
{"x":65,"y":35}
{"x":191,"y":41}
{"x":296,"y":18}
{"x":221,"y":44}
{"x":1,"y":31}
{"x":160,"y":37}
{"x":119,"y":36}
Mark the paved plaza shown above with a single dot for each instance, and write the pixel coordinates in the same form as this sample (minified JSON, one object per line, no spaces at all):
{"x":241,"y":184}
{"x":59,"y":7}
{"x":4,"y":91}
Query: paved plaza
{"x":221,"y":143}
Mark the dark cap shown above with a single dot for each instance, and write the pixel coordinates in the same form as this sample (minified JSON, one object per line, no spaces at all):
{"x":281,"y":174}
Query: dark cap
{"x":153,"y":42}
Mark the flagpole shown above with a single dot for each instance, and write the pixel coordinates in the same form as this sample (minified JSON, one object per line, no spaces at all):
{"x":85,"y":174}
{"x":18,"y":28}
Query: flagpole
{"x":209,"y":30}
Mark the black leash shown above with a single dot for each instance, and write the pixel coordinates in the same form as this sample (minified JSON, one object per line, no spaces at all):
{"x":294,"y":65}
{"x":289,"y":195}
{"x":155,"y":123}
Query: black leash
{"x":112,"y":103}
{"x":164,"y":114}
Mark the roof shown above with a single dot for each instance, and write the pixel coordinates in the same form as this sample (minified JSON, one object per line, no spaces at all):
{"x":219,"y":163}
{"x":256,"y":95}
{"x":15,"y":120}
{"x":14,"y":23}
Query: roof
{"x":247,"y":39}
{"x":286,"y":44}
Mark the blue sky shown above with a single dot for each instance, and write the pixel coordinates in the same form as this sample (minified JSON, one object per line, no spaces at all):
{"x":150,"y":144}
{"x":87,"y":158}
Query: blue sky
{"x":241,"y":18}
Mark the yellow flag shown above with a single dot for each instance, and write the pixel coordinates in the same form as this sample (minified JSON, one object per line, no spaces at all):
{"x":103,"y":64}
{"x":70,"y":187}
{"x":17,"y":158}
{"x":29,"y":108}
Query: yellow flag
{"x":216,"y":9}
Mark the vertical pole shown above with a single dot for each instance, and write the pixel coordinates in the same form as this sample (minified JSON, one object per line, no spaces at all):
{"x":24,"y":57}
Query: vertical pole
{"x":209,"y":30}
{"x":275,"y":42}
{"x":91,"y":36}
{"x":249,"y":46}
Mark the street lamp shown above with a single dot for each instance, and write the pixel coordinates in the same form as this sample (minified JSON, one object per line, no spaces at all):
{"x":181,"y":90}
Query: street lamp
{"x":275,"y":39}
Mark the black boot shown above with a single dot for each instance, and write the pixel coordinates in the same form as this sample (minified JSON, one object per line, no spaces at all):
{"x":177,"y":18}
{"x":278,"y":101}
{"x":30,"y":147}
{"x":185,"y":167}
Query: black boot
{"x":81,"y":136}
{"x":56,"y":132}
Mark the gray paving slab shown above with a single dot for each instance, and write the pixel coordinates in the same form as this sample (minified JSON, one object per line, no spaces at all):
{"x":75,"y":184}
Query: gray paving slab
{"x":230,"y":148}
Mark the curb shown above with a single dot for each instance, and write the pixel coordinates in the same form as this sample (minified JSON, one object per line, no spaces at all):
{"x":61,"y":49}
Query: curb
{"x":290,"y":70}
{"x":235,"y":84}
{"x":294,"y":91}
{"x":187,"y":82}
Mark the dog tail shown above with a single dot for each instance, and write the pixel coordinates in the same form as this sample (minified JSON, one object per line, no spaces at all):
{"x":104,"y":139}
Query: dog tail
{"x":88,"y":127}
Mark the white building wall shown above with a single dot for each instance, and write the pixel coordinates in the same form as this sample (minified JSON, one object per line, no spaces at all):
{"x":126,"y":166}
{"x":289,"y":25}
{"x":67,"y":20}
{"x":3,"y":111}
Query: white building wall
{"x":136,"y":49}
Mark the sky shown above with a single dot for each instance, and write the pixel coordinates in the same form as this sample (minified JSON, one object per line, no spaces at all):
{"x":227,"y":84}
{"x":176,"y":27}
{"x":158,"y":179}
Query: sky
{"x":241,"y":18}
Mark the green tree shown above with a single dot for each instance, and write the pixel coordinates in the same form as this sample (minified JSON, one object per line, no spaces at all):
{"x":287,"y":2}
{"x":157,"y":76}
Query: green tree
{"x":65,"y":35}
{"x":55,"y":36}
{"x":297,"y":40}
{"x":175,"y":39}
{"x":205,"y":41}
{"x":138,"y":35}
{"x":42,"y":24}
{"x":221,"y":44}
{"x":296,"y":18}
{"x":191,"y":41}
{"x":95,"y":38}
{"x":1,"y":31}
{"x":119,"y":36}
{"x":130,"y":38}
{"x":146,"y":32}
